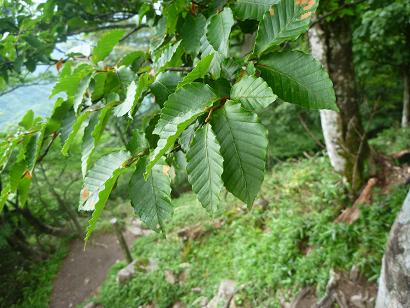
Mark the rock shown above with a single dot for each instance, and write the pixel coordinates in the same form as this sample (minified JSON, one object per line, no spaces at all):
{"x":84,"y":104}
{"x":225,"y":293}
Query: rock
{"x":184,"y":272}
{"x":90,"y":305}
{"x":198,"y":230}
{"x":358,"y":301}
{"x":170,"y":277}
{"x":370,"y":302}
{"x":262,"y":202}
{"x":224,"y":296}
{"x":127,"y":273}
{"x":354,"y":273}
{"x":152,"y":266}
{"x":178,"y":305}
{"x":201,"y":301}
{"x":137,"y":229}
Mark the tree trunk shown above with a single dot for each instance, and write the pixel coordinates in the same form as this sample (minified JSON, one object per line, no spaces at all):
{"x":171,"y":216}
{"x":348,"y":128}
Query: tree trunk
{"x":406,"y":99}
{"x":394,"y":282}
{"x":346,"y":141}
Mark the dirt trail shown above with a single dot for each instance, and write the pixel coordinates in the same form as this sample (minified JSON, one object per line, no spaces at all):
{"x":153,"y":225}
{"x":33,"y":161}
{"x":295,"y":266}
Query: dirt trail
{"x":82,"y":272}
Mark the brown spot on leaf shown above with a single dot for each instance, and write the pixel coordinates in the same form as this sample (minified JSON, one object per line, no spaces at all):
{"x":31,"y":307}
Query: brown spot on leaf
{"x":27,"y":174}
{"x":85,"y":193}
{"x":194,"y":9}
{"x":301,"y":2}
{"x":59,"y":65}
{"x":309,"y":5}
{"x":306,"y":15}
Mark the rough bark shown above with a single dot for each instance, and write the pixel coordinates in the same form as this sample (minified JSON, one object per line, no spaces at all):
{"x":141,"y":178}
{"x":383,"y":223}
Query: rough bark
{"x":394,"y":282}
{"x":405,"y":119}
{"x":344,"y":135}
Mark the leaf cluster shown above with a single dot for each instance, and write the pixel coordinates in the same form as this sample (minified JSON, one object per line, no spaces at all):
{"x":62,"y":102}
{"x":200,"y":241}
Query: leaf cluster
{"x":190,"y":93}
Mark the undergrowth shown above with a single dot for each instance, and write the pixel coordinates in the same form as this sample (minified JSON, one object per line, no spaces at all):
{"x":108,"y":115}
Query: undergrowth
{"x":279,"y":248}
{"x":392,"y":140}
{"x":31,"y":285}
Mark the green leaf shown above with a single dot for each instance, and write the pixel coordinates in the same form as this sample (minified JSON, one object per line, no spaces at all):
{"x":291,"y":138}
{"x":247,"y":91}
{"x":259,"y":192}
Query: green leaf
{"x":4,"y":196}
{"x":92,"y":134}
{"x":16,"y":174}
{"x":230,"y":67}
{"x":144,"y":81}
{"x":60,"y":109}
{"x":126,"y":105}
{"x":218,"y":30}
{"x":192,"y":31}
{"x":24,"y":188}
{"x":299,"y":79}
{"x":287,"y":20}
{"x":252,"y":9}
{"x":180,"y":110}
{"x":6,"y":149}
{"x":131,"y":57}
{"x":98,"y":85}
{"x":186,"y":137}
{"x":161,"y":31}
{"x":253,"y":93}
{"x":69,"y":82}
{"x":199,"y":71}
{"x":164,"y":85}
{"x":106,"y":44}
{"x":99,"y":183}
{"x":81,"y":91}
{"x":34,"y":148}
{"x":207,"y":49}
{"x":151,"y":199}
{"x":167,"y":56}
{"x":205,"y":168}
{"x":244,"y":144}
{"x":27,"y":120}
{"x":69,"y":129}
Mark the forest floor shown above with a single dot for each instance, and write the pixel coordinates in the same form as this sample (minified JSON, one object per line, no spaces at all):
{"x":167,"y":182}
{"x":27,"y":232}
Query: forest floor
{"x":83,"y":271}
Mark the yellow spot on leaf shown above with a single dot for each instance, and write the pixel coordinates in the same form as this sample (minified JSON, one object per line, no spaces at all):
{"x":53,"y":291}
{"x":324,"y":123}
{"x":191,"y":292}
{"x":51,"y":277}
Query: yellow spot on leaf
{"x":271,"y":11}
{"x":165,"y":169}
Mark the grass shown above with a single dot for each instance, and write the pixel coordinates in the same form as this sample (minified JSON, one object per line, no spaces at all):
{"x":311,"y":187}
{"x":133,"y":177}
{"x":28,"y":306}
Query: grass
{"x":291,"y":243}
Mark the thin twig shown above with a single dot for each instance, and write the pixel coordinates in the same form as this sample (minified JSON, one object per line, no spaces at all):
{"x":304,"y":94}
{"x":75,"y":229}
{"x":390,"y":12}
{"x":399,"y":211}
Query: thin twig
{"x":309,"y":133}
{"x":133,"y":31}
{"x":39,"y":83}
{"x":40,"y":159}
{"x":340,"y":8}
{"x":179,"y":69}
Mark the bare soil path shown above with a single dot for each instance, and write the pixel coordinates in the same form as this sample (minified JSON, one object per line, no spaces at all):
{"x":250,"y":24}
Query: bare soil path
{"x":82,"y":272}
